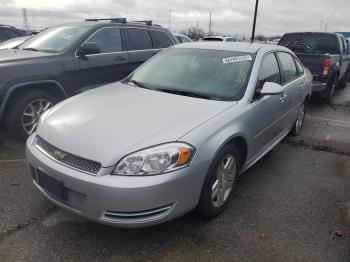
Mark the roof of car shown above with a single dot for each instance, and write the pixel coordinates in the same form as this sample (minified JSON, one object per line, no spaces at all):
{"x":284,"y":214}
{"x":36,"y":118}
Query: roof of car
{"x":225,"y":46}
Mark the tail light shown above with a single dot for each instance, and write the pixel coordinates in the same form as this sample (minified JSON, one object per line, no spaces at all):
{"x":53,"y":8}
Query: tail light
{"x":327,"y":66}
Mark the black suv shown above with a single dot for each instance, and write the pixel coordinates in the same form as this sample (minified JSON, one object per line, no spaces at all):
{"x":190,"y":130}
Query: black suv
{"x":64,"y":60}
{"x":7,"y":32}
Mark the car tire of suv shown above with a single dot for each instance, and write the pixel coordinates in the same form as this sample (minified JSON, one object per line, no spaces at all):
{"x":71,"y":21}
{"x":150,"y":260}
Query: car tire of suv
{"x":14,"y":118}
{"x":218,"y":187}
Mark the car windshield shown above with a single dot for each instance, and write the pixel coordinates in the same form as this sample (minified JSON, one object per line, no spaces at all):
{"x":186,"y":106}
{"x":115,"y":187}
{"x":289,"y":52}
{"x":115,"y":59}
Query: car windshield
{"x":311,"y":43}
{"x":55,"y":39}
{"x":210,"y":74}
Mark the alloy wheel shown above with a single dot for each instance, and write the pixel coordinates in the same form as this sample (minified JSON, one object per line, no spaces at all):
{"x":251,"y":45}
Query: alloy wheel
{"x":300,"y":120}
{"x":225,"y":177}
{"x":32,"y":113}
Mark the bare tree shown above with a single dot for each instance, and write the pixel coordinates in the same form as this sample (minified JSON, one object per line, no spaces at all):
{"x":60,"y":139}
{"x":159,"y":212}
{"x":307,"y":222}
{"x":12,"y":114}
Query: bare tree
{"x":193,"y":33}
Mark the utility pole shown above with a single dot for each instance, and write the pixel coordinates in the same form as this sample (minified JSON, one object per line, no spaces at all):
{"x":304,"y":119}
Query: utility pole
{"x":197,"y":31}
{"x":325,"y":29}
{"x":25,"y":19}
{"x":210,"y":24}
{"x":170,"y":18}
{"x":254,"y":23}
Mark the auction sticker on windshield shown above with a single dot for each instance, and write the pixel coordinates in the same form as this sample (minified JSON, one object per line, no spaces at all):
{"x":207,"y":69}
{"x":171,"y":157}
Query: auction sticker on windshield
{"x":234,"y":59}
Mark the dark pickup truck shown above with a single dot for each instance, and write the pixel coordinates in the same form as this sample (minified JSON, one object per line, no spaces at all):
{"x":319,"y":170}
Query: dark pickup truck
{"x":326,"y":55}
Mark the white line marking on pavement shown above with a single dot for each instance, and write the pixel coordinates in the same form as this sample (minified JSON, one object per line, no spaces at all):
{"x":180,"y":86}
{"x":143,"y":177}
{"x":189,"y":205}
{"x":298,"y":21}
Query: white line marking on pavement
{"x":12,"y":160}
{"x":329,"y":120}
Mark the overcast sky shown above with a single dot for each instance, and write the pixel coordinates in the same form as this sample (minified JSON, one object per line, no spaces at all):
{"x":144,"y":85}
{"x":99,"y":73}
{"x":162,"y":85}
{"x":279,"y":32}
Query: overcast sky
{"x":228,"y":16}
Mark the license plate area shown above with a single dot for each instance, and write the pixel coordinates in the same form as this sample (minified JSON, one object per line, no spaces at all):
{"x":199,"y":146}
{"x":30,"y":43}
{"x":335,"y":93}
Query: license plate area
{"x":51,"y":185}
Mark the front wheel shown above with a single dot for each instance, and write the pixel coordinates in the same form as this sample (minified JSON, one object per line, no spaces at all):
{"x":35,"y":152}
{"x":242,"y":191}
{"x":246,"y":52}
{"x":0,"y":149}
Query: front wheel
{"x":24,"y":113}
{"x":220,"y":182}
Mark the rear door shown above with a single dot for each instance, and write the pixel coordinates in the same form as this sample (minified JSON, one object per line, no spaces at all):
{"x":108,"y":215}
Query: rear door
{"x":293,"y":82}
{"x":139,"y":46}
{"x":107,"y":66}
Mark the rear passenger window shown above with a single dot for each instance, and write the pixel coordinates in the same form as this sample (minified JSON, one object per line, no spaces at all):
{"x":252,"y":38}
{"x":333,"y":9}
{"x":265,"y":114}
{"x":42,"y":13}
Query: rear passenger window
{"x":139,"y":39}
{"x":269,"y":71}
{"x":108,"y":39}
{"x":161,"y":39}
{"x":299,"y":67}
{"x":289,"y":70}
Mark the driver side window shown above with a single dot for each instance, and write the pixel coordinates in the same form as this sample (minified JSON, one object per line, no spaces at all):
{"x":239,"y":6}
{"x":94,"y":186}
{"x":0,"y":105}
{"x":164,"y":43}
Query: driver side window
{"x":269,"y":71}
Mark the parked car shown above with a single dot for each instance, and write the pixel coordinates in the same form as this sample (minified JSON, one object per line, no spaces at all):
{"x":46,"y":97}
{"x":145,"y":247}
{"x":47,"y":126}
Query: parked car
{"x":7,"y":32}
{"x":326,"y":55}
{"x":13,"y":42}
{"x":65,"y":60}
{"x":182,"y":38}
{"x":171,"y":137}
{"x":219,"y":38}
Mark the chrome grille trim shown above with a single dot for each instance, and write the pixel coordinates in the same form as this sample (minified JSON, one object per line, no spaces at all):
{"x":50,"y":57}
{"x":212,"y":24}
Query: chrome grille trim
{"x":137,"y":217}
{"x":70,"y":160}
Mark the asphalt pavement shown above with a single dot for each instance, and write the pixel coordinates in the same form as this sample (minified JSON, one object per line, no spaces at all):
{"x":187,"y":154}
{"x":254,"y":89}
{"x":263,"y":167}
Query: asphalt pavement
{"x":293,"y":205}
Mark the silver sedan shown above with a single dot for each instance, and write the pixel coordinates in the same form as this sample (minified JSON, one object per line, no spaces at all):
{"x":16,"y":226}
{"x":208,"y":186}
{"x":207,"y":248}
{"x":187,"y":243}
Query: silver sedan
{"x":173,"y":136}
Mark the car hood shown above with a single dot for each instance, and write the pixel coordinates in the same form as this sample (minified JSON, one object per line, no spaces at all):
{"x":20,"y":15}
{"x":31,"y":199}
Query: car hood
{"x":109,"y":122}
{"x":18,"y":54}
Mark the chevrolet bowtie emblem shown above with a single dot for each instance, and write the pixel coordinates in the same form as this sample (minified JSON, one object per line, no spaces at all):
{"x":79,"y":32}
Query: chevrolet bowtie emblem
{"x":59,"y":155}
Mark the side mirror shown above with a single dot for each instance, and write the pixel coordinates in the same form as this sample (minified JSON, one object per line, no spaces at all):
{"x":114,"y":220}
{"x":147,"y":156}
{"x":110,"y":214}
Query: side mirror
{"x":271,"y":88}
{"x":88,"y":48}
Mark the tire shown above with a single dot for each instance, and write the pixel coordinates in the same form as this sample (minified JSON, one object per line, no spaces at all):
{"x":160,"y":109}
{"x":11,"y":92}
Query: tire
{"x":344,"y":80}
{"x":299,"y":123}
{"x":18,"y":113}
{"x":330,"y":91}
{"x":212,"y":204}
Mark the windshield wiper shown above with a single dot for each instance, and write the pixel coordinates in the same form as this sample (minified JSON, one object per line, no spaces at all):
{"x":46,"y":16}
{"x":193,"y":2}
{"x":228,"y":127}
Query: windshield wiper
{"x":185,"y":93}
{"x":139,"y":84}
{"x":31,"y":49}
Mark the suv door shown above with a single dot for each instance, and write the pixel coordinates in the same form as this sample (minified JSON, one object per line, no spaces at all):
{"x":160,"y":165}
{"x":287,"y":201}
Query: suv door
{"x":139,"y":46}
{"x":266,"y":112}
{"x":293,"y":83}
{"x":109,"y":65}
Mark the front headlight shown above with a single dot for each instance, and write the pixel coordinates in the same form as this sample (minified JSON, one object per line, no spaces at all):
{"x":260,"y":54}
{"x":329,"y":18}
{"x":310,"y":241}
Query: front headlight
{"x":155,"y":160}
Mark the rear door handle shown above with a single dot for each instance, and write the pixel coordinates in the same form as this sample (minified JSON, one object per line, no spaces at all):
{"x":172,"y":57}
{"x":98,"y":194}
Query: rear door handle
{"x":283,"y":97}
{"x":302,"y":85}
{"x":120,"y":58}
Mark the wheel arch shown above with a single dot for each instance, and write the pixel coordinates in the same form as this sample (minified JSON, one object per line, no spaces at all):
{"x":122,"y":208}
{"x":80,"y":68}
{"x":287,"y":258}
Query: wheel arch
{"x":52,"y":86}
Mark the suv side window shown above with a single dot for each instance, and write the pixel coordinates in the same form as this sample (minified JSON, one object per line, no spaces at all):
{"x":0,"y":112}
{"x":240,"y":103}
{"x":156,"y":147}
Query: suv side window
{"x":344,"y":46}
{"x":299,"y":67}
{"x":108,"y":39}
{"x":269,"y":71}
{"x":139,"y":39}
{"x":160,"y":39}
{"x":289,"y":70}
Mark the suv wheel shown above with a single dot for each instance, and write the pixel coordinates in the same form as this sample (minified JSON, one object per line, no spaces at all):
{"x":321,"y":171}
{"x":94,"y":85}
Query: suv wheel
{"x":23,"y":116}
{"x":220,"y":182}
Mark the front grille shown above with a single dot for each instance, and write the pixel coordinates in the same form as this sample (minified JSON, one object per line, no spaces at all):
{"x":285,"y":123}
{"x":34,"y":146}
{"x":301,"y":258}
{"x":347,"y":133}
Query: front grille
{"x":66,"y":158}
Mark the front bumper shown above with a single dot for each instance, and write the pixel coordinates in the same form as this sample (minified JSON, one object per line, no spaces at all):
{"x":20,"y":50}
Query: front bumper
{"x":123,"y":201}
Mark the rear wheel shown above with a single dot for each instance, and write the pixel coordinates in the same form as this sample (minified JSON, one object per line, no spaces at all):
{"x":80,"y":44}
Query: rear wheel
{"x":344,"y":80}
{"x":220,"y":182}
{"x":23,"y":115}
{"x":298,"y":125}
